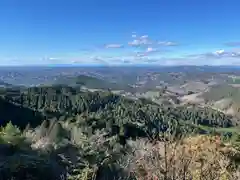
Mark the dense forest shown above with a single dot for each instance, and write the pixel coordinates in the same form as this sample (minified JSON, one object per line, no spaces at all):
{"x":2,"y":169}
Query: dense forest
{"x":65,"y":103}
{"x":87,"y":135}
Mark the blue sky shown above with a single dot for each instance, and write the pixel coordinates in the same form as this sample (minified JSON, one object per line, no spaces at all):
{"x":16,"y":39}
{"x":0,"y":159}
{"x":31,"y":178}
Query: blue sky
{"x":162,"y":32}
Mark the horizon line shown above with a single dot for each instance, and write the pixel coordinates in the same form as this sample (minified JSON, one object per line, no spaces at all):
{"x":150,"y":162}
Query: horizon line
{"x":113,"y":65}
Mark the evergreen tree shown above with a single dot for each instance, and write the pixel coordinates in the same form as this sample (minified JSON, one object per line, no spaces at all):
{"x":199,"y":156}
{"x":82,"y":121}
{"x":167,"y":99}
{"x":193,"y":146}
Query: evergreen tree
{"x":56,"y":133}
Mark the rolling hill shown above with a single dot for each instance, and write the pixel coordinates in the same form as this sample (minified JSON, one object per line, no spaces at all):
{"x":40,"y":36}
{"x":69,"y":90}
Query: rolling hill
{"x":225,"y":98}
{"x":91,"y":82}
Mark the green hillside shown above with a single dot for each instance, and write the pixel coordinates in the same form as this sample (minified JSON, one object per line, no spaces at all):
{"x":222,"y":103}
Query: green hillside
{"x":92,"y":83}
{"x":67,"y":102}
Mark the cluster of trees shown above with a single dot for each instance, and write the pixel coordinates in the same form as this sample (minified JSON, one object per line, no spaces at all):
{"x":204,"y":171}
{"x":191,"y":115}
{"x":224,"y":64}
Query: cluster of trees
{"x":104,"y":110}
{"x":63,"y":151}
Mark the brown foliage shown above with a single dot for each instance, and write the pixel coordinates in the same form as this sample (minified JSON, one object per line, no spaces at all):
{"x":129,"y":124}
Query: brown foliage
{"x":194,"y":158}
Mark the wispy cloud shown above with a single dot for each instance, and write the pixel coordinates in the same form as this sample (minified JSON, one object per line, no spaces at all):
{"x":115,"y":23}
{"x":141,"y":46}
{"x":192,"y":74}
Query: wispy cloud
{"x":140,"y":41}
{"x":218,"y":57}
{"x":144,"y":40}
{"x":145,"y":53}
{"x":167,"y":43}
{"x":233,"y":44}
{"x":140,"y":49}
{"x":144,"y":37}
{"x":192,"y":61}
{"x":150,"y":49}
{"x":52,"y":58}
{"x":218,"y":54}
{"x":113,"y":46}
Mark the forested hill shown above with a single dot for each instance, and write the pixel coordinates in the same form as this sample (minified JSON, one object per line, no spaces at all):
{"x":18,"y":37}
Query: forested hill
{"x":102,"y":110}
{"x":92,"y":83}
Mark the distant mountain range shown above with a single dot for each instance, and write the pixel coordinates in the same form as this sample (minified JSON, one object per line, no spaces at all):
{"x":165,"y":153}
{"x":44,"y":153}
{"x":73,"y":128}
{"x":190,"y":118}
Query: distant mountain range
{"x":123,"y":75}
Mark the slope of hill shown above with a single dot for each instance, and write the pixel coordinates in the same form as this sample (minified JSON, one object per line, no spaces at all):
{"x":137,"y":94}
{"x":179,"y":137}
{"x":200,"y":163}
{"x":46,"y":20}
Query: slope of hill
{"x":219,"y":92}
{"x":19,"y":115}
{"x":92,"y":83}
{"x":226,"y":98}
{"x":195,"y":86}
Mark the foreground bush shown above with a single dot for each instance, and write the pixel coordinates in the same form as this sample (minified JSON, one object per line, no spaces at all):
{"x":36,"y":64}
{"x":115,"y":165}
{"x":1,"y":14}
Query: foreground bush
{"x":193,"y":158}
{"x":67,"y":153}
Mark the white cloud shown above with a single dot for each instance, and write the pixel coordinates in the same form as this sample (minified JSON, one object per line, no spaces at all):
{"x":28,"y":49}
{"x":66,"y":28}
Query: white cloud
{"x":220,"y":54}
{"x":140,"y":41}
{"x":148,"y":56}
{"x":144,"y":37}
{"x":140,"y":54}
{"x":218,"y":57}
{"x":146,"y":48}
{"x":144,"y":40}
{"x":134,"y":35}
{"x":190,"y":61}
{"x":146,"y":52}
{"x":167,"y":43}
{"x":52,"y":58}
{"x":150,"y":49}
{"x":135,"y":42}
{"x":113,"y":46}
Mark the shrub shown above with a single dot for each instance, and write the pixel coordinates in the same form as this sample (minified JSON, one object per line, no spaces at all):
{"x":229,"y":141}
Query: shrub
{"x":197,"y":158}
{"x":11,"y":134}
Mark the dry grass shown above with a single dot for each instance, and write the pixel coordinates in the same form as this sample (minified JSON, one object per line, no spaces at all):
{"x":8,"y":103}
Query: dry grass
{"x":194,"y":158}
{"x":193,"y":98}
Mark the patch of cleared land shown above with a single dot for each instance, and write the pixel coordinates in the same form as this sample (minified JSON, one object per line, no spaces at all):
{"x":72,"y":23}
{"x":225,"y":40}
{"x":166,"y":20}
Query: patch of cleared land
{"x":223,"y":103}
